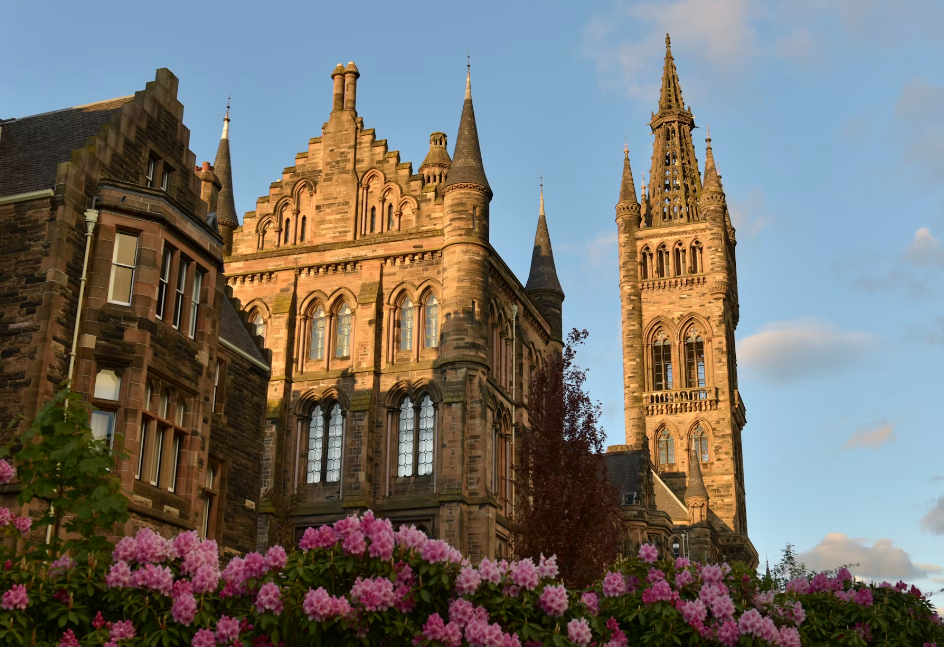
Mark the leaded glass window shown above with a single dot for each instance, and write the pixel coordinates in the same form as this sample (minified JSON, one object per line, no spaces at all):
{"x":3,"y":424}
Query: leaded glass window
{"x":405,"y":440}
{"x":318,"y":323}
{"x":335,"y":430}
{"x":424,"y":456}
{"x":666,"y":448}
{"x":406,"y":325}
{"x":700,"y":443}
{"x":344,"y":332}
{"x":661,"y":362}
{"x":432,"y":322}
{"x":694,"y":358}
{"x":315,"y":445}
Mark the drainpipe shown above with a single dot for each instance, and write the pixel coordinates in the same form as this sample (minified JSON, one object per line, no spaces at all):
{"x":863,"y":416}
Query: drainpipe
{"x":514,"y":379}
{"x":91,"y":218}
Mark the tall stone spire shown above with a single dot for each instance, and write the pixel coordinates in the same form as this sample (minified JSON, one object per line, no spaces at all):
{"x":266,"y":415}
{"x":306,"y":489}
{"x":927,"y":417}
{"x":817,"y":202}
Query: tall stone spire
{"x":712,"y":178}
{"x":226,"y":203}
{"x":696,"y":496}
{"x":543,"y":284}
{"x":627,"y":187}
{"x":467,"y":167}
{"x":674,"y":181}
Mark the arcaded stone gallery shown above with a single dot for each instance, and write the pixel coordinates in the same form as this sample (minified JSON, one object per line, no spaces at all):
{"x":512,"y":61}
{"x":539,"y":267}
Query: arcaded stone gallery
{"x":356,"y":342}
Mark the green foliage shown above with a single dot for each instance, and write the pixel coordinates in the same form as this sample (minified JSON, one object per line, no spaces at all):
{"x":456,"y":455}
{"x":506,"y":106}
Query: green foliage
{"x":61,"y":463}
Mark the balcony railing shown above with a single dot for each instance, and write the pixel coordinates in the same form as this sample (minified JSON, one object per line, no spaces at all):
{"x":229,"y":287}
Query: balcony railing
{"x":704,"y":398}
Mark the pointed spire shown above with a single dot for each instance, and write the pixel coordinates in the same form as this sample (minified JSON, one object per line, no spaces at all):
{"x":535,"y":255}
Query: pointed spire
{"x":671,"y":96}
{"x":223,"y":167}
{"x":696,"y":482}
{"x":467,"y":167}
{"x":543,"y":274}
{"x":712,"y":179}
{"x":627,"y":186}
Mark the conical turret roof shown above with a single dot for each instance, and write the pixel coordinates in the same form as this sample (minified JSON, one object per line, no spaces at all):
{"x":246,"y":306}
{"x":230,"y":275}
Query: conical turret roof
{"x":671,"y":95}
{"x":543,"y":274}
{"x":467,"y":165}
{"x":223,"y":167}
{"x":712,"y":178}
{"x":627,"y":187}
{"x":696,"y":482}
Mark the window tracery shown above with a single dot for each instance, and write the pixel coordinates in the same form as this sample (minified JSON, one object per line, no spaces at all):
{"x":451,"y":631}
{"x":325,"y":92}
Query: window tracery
{"x":662,"y":262}
{"x":700,"y":443}
{"x":406,"y":324}
{"x":694,"y":358}
{"x":666,"y":447}
{"x":343,"y":340}
{"x":661,"y":361}
{"x":415,"y":431}
{"x":431,"y":323}
{"x":319,"y":323}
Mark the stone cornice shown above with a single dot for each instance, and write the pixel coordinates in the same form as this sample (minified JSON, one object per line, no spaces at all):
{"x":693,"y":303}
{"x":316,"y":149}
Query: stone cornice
{"x":487,"y":192}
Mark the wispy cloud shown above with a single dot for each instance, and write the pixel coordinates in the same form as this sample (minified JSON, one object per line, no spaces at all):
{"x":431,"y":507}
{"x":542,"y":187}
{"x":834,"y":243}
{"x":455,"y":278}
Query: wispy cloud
{"x":880,"y":560}
{"x":749,"y":216}
{"x":920,"y":112}
{"x":926,"y":250}
{"x":913,"y":271}
{"x":789,"y":351}
{"x":933,"y":521}
{"x":871,"y":437}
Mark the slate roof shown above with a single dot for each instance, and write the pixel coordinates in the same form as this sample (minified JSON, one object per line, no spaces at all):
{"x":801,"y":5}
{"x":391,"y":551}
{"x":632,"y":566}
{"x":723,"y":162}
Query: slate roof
{"x":32,"y":147}
{"x":623,"y":470}
{"x":666,"y":501}
{"x":543,"y":274}
{"x":223,"y":167}
{"x":234,"y":331}
{"x":467,"y":165}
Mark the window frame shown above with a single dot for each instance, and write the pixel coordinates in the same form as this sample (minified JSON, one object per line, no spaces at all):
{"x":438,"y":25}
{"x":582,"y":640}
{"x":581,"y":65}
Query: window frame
{"x":348,"y":337}
{"x":195,"y":294}
{"x":115,"y":264}
{"x":163,"y":282}
{"x":427,"y":318}
{"x":665,"y":437}
{"x":183,"y":269}
{"x":661,"y":362}
{"x":318,"y":459}
{"x":211,"y":498}
{"x":413,"y":446}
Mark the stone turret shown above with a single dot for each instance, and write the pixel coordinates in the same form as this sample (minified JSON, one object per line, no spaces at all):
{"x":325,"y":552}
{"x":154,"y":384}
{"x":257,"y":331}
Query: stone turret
{"x":543,"y":284}
{"x":226,"y":203}
{"x":634,"y":379}
{"x":696,"y":495}
{"x":435,"y":168}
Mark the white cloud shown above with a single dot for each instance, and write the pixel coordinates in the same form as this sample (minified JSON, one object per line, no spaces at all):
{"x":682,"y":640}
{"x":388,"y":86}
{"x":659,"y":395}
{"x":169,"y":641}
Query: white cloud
{"x":926,"y":249}
{"x":872,"y":437}
{"x":749,"y":216}
{"x":933,"y":521}
{"x":881,"y":560}
{"x":789,"y":351}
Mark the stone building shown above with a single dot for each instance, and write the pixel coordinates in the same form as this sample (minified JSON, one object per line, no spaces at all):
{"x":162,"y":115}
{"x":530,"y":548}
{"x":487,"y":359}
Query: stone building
{"x":678,"y":290}
{"x":112,"y":277}
{"x":400,"y":340}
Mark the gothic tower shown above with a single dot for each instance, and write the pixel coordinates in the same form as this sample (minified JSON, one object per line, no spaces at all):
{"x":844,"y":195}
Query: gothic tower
{"x":678,"y":292}
{"x":543,"y":284}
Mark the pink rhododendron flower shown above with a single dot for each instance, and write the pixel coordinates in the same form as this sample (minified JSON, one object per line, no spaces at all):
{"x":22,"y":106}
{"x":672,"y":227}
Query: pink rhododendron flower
{"x":728,"y":632}
{"x":410,"y":537}
{"x":683,"y":578}
{"x":181,"y":587}
{"x":5,"y":517}
{"x":682,"y":562}
{"x":554,"y":601}
{"x":468,"y":581}
{"x":184,"y":609}
{"x":591,"y":601}
{"x":119,"y":576}
{"x":323,"y":537}
{"x":448,"y":634}
{"x":489,"y":571}
{"x":355,"y":543}
{"x":186,"y":542}
{"x":655,"y":575}
{"x":6,"y":472}
{"x":711,"y":574}
{"x":125,"y":550}
{"x":64,"y":563}
{"x":763,"y":600}
{"x":722,"y":607}
{"x":206,"y":579}
{"x":482,"y":634}
{"x":750,"y":623}
{"x":374,"y":594}
{"x":227,"y":629}
{"x":203,"y":638}
{"x":844,"y":575}
{"x":525,"y":574}
{"x":789,"y":637}
{"x":768,"y":630}
{"x":204,"y":554}
{"x":799,"y":585}
{"x":348,"y":525}
{"x":69,"y":640}
{"x":614,"y":585}
{"x":694,"y":613}
{"x":151,"y":548}
{"x":820,"y":582}
{"x":648,"y":553}
{"x":659,"y":592}
{"x":23,"y":525}
{"x":277,"y":558}
{"x":15,"y":598}
{"x":269,"y":598}
{"x":548,"y":567}
{"x":435,"y":551}
{"x":153,"y":577}
{"x":121,"y":630}
{"x":578,"y":632}
{"x":98,"y":622}
{"x":461,"y":611}
{"x":864,"y":597}
{"x":254,"y":566}
{"x":382,"y":543}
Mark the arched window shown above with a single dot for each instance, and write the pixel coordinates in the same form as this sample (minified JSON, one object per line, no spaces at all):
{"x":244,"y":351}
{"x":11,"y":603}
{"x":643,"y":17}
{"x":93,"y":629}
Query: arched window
{"x":316,"y":428}
{"x":288,"y":229}
{"x":424,"y":454}
{"x":335,"y":432}
{"x":661,"y":362}
{"x":406,"y":324}
{"x":107,"y":385}
{"x":373,"y":219}
{"x":390,"y":226}
{"x":258,"y":324}
{"x":679,"y":259}
{"x":262,"y":237}
{"x":700,"y":444}
{"x":415,"y":429}
{"x":645,"y":267}
{"x":694,"y":358}
{"x":666,"y":448}
{"x":662,"y":262}
{"x":324,"y":455}
{"x":698,"y":261}
{"x":318,"y":326}
{"x":343,"y":341}
{"x":304,"y":228}
{"x":406,"y":427}
{"x":432,"y":321}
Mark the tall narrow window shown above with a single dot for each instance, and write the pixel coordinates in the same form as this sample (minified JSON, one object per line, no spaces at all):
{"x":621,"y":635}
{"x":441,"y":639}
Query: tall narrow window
{"x":180,"y":413}
{"x":432,"y":322}
{"x":661,"y":362}
{"x":122,"y":268}
{"x":405,"y":441}
{"x":157,"y":457}
{"x":679,"y":260}
{"x":175,"y":463}
{"x":406,"y":324}
{"x":195,"y":301}
{"x":373,"y":219}
{"x":646,"y":262}
{"x":390,"y":217}
{"x":210,"y":495}
{"x":424,"y":455}
{"x":163,"y":405}
{"x":315,"y":445}
{"x":304,"y":228}
{"x":258,"y":324}
{"x":694,"y":359}
{"x":181,"y":288}
{"x":216,"y":386}
{"x":666,"y":448}
{"x":288,"y":231}
{"x":151,"y":171}
{"x":107,"y":387}
{"x":698,"y":263}
{"x":262,"y":237}
{"x":662,"y":262}
{"x":165,"y":179}
{"x":142,"y":450}
{"x":318,"y":325}
{"x":335,"y":430}
{"x":700,"y":444}
{"x":162,"y":284}
{"x":343,"y":346}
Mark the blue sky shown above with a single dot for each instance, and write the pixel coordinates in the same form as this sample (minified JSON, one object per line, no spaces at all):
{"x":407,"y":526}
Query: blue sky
{"x":828,"y":126}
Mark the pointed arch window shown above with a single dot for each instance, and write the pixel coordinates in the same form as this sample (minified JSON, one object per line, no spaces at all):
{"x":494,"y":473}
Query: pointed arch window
{"x":335,"y":433}
{"x":666,"y":448}
{"x":698,"y":261}
{"x":700,"y":444}
{"x":406,"y":324}
{"x":319,"y":324}
{"x":424,"y":453}
{"x":262,"y":236}
{"x":343,"y":341}
{"x":679,"y":259}
{"x":415,"y":430}
{"x":373,"y":219}
{"x":390,"y":226}
{"x":258,"y":324}
{"x":661,"y":362}
{"x":662,"y":262}
{"x":324,"y":454}
{"x":431,"y":311}
{"x":304,"y":228}
{"x":288,"y":230}
{"x":694,"y":358}
{"x":645,"y":269}
{"x":406,"y":427}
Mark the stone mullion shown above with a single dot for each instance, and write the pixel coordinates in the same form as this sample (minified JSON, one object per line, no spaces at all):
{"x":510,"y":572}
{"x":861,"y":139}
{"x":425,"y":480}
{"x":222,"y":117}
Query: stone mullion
{"x":417,"y":312}
{"x":330,"y":340}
